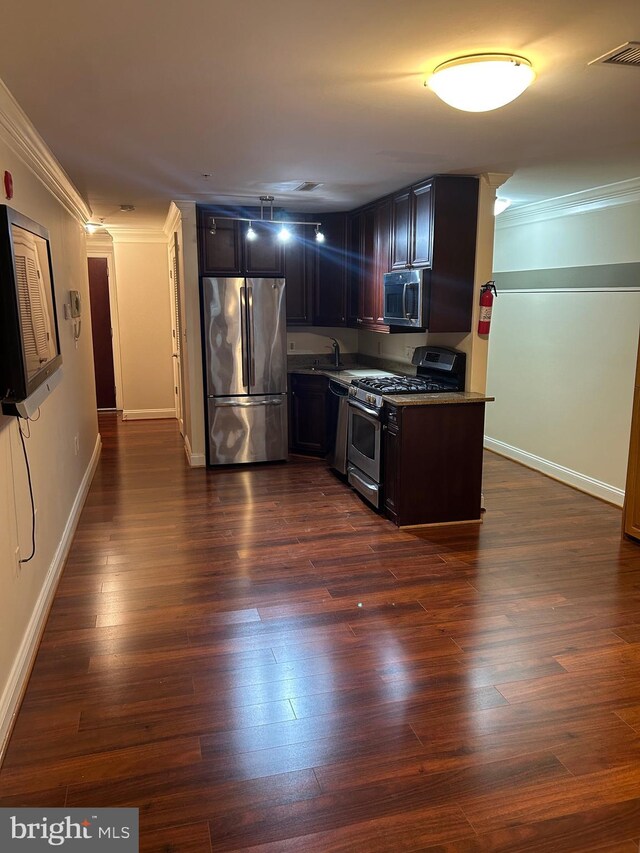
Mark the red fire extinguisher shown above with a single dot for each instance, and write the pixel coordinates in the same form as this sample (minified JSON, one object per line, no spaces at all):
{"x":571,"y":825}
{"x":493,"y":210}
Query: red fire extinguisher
{"x":487,"y":295}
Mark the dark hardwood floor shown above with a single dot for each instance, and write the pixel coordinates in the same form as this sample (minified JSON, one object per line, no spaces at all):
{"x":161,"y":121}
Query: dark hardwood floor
{"x":257,"y":661}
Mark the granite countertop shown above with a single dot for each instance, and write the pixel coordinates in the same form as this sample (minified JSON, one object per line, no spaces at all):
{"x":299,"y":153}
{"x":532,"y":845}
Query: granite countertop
{"x":436,"y":399}
{"x":346,"y":374}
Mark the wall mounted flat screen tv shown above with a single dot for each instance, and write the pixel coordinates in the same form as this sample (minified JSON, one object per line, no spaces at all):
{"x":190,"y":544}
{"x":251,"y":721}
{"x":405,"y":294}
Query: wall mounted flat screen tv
{"x":29,"y":341}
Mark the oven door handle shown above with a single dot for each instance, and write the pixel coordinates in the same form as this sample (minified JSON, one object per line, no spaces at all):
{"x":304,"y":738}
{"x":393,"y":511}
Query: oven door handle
{"x":374,"y":414}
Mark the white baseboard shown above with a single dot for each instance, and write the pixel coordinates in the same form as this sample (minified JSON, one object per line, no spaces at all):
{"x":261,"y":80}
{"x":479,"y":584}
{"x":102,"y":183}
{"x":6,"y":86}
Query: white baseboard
{"x":195,"y":460}
{"x":21,"y":669}
{"x":558,"y":472}
{"x":147,"y":414}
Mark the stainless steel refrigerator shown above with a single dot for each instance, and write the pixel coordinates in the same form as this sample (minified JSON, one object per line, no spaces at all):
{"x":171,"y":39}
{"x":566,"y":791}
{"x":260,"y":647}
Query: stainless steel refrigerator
{"x":245,"y":341}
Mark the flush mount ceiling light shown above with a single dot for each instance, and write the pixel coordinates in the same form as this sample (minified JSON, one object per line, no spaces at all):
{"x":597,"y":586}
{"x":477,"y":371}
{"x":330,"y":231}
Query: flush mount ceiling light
{"x":482,"y":81}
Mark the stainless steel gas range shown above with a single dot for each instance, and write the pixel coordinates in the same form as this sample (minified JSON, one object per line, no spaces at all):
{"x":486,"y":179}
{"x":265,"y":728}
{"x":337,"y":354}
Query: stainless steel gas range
{"x":439,"y":370}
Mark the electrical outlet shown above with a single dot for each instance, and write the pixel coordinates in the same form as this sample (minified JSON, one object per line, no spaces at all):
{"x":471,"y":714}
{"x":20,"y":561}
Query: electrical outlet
{"x":76,"y":444}
{"x":379,"y":347}
{"x":409,"y":352}
{"x":292,"y":346}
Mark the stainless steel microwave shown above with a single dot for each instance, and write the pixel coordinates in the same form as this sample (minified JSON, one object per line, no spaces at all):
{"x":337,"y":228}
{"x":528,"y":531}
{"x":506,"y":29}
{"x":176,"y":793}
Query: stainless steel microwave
{"x":404,"y":298}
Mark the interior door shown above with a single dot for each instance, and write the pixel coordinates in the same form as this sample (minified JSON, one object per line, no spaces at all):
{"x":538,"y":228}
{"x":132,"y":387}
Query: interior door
{"x":268,"y":333}
{"x":101,"y":333}
{"x":176,"y":332}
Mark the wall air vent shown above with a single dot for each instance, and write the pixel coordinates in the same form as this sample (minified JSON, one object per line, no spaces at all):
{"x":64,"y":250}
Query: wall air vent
{"x":307,"y":187}
{"x":625,"y":54}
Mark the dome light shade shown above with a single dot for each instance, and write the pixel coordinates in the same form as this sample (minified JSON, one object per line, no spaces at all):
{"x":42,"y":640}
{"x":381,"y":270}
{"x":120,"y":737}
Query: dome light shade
{"x":481,"y":82}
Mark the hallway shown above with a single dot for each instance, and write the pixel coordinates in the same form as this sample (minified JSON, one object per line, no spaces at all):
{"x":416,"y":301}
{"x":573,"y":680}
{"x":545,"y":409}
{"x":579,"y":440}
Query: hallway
{"x":258,"y":661}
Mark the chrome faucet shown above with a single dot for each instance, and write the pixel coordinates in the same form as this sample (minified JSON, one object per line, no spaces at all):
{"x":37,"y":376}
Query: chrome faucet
{"x":336,"y":352}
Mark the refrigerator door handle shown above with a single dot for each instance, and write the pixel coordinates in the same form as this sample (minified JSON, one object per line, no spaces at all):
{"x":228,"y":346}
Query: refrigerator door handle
{"x":243,"y":332}
{"x":252,"y":357}
{"x":246,"y":404}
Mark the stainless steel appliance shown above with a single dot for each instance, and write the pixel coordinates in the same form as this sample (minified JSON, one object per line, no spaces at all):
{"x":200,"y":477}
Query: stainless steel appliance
{"x":337,"y":457}
{"x":245,"y":345}
{"x":404,"y":302}
{"x":439,"y":370}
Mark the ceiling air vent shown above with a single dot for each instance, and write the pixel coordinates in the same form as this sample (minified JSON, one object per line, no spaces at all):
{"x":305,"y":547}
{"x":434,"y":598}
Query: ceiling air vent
{"x":307,"y":187}
{"x":625,"y":54}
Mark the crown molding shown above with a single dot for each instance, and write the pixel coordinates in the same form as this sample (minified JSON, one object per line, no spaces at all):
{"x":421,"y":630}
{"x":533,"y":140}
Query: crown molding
{"x":22,"y":137}
{"x":171,"y":223}
{"x":178,"y":211}
{"x":496,"y":179}
{"x":100,"y":241}
{"x":586,"y":201}
{"x":129,"y":234}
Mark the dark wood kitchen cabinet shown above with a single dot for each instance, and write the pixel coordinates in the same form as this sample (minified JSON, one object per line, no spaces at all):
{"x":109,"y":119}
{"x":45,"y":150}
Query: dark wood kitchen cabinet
{"x":369,"y":259}
{"x":308,"y":414}
{"x":429,"y":216}
{"x":421,"y":242}
{"x":369,"y":294}
{"x":330,"y":291}
{"x":300,"y":270}
{"x":354,"y":268}
{"x":225,"y":250}
{"x":382,"y":254}
{"x":433,"y":463}
{"x":401,"y":230}
{"x":316,"y":272}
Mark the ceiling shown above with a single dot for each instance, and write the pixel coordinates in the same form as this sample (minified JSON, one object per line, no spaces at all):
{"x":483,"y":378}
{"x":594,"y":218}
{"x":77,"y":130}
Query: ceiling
{"x":139,"y":100}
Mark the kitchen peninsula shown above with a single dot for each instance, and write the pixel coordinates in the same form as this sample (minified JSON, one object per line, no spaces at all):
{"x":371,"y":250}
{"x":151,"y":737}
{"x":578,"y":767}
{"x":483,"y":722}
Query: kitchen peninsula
{"x":427,"y":446}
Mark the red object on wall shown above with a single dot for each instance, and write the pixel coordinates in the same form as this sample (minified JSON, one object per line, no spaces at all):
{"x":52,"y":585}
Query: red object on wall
{"x":8,"y":185}
{"x":486,"y":305}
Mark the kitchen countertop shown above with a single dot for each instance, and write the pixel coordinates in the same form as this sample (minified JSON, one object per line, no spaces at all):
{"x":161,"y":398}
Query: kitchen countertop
{"x":439,"y":399}
{"x":345,"y":375}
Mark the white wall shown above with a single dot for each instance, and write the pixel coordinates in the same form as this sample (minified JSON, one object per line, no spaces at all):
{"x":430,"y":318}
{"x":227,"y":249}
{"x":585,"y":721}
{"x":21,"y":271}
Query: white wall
{"x":59,"y":475}
{"x":182,"y":220}
{"x":144,"y":309}
{"x":561,"y":363}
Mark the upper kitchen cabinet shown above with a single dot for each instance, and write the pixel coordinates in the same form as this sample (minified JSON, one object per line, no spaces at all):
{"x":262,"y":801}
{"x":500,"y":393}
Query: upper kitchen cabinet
{"x":220,"y":246}
{"x":434,"y":228}
{"x":425,"y":215}
{"x":401,"y":230}
{"x":316,"y":272}
{"x":265,"y":255}
{"x":369,"y":292}
{"x":368,"y":260}
{"x":225,"y":249}
{"x":330,"y":304}
{"x":300,"y":268}
{"x":382,"y":253}
{"x":422,"y":221}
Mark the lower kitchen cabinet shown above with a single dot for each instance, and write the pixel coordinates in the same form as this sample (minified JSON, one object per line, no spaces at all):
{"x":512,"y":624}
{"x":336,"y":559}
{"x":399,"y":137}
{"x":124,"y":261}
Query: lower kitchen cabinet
{"x":433,"y":463}
{"x":308,"y":414}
